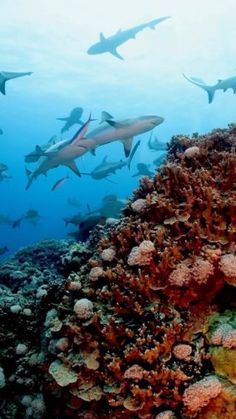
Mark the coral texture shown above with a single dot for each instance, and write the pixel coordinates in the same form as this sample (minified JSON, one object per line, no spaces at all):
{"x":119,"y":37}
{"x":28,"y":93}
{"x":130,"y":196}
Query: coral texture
{"x":146,"y":347}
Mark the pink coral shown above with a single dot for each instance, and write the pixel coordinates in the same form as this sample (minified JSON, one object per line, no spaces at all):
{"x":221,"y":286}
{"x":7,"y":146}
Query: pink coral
{"x":83,"y":308}
{"x":180,"y":276}
{"x":167,"y":414}
{"x":228,"y":267}
{"x":201,"y":270}
{"x":138,"y":205}
{"x":95,"y":273}
{"x":141,"y":255}
{"x":134,"y":373}
{"x":182,"y":351}
{"x":108,"y":254}
{"x":199,"y":394}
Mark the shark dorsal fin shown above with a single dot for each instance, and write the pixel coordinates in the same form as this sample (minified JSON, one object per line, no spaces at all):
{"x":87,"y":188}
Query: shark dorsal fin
{"x":38,"y":149}
{"x":220,"y":80}
{"x":105,"y":116}
{"x":102,"y":37}
{"x":115,"y":124}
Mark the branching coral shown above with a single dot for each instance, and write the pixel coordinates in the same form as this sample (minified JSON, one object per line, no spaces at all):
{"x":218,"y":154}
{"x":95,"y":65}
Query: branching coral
{"x":132,"y":335}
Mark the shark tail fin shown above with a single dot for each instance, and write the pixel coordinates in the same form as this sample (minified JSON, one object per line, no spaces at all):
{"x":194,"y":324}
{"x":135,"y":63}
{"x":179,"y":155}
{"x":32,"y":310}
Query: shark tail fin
{"x":133,"y":153}
{"x":200,"y":83}
{"x":153,"y":23}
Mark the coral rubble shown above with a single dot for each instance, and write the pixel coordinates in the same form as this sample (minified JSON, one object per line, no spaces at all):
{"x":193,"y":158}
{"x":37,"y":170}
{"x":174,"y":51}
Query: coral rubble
{"x":143,"y":325}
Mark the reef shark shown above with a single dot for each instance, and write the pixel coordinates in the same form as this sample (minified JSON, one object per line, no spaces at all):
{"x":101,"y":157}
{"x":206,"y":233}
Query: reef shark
{"x":104,"y":169}
{"x":111,"y":43}
{"x":5,"y":76}
{"x":64,"y":156}
{"x":72,"y":119}
{"x":156,"y":145}
{"x":143,"y":170}
{"x":223,"y":84}
{"x":124,"y":130}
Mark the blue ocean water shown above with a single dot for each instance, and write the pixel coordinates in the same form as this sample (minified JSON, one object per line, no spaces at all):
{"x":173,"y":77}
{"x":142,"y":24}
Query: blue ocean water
{"x":51,"y":40}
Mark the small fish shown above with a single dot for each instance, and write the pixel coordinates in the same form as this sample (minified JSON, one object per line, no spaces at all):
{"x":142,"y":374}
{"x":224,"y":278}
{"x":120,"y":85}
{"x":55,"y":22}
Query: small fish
{"x":3,"y":250}
{"x":73,"y":201}
{"x":81,"y":132}
{"x":59,"y":183}
{"x":1,"y":131}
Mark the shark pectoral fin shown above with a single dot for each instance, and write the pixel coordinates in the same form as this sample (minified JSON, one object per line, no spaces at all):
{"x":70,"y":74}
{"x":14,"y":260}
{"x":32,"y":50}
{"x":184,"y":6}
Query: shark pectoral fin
{"x":3,"y":87}
{"x":28,"y":172}
{"x":116,"y":54}
{"x":133,"y":153}
{"x":72,"y":166}
{"x":93,"y":151}
{"x":127,"y":143}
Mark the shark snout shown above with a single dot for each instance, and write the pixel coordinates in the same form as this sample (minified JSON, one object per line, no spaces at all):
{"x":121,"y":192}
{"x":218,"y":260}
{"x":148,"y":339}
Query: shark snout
{"x":157,"y":120}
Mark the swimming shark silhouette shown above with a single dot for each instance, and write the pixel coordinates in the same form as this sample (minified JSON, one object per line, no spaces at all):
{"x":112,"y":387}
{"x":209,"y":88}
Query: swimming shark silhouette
{"x":224,"y":84}
{"x":156,"y":145}
{"x":64,"y":156}
{"x":104,"y":169}
{"x":67,"y":151}
{"x":143,"y":170}
{"x":111,"y":43}
{"x":124,"y":130}
{"x":35,"y":155}
{"x":6,"y":75}
{"x":72,"y":119}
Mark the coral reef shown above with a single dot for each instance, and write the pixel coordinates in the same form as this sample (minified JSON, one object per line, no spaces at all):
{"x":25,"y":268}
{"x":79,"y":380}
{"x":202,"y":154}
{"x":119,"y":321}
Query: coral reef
{"x":143,"y":325}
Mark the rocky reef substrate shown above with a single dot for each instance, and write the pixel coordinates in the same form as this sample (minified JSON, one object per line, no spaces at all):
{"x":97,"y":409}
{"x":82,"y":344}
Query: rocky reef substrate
{"x":142,"y":322}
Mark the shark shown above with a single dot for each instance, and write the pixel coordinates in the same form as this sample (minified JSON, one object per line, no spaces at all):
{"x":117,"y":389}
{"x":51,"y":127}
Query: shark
{"x":35,"y":155}
{"x":124,"y":130}
{"x":72,"y":119}
{"x":143,"y":170}
{"x":105,"y":168}
{"x":111,"y":43}
{"x":222,"y":84}
{"x":64,"y":156}
{"x":156,"y":145}
{"x":6,"y":76}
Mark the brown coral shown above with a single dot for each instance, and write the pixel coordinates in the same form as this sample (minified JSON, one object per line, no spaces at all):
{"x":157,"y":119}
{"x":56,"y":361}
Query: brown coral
{"x":145,"y":331}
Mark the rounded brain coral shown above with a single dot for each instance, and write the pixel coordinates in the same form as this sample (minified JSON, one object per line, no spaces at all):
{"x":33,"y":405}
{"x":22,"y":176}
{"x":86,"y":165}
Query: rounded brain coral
{"x":228,"y":266}
{"x":199,"y":394}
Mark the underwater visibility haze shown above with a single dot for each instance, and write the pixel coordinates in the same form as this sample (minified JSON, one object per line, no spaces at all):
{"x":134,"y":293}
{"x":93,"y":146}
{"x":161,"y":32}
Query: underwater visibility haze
{"x":117,"y":209}
{"x":61,"y":61}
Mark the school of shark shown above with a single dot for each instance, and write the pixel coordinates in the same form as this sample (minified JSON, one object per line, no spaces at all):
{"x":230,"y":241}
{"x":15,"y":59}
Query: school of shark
{"x":95,"y":132}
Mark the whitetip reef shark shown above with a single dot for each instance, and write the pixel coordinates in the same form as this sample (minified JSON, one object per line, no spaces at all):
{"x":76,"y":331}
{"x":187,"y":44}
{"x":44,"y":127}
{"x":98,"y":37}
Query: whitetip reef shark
{"x":6,"y":76}
{"x":223,"y":84}
{"x":111,"y":43}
